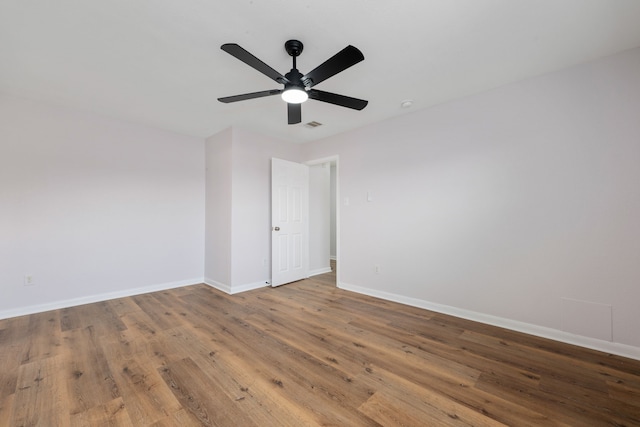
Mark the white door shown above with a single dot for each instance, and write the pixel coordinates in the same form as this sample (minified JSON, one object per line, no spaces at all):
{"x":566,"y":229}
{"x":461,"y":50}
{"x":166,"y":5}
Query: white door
{"x":290,"y":221}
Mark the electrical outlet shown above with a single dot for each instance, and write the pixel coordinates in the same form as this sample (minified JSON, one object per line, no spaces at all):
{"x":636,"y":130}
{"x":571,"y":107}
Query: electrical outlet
{"x":376,"y":269}
{"x":29,"y":280}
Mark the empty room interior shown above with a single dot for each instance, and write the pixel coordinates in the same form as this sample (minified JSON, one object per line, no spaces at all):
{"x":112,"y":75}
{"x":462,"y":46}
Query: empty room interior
{"x":443,"y":232}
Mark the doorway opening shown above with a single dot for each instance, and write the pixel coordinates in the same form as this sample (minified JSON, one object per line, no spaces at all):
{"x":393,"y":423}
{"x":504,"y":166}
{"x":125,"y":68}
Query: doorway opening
{"x":324,"y":219}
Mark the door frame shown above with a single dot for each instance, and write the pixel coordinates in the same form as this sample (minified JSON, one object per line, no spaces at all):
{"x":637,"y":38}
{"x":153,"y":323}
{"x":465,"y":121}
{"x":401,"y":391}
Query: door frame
{"x":333,"y":159}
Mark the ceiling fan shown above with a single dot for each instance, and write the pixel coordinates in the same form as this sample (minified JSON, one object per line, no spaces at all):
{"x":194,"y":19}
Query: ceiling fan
{"x":297,"y":87}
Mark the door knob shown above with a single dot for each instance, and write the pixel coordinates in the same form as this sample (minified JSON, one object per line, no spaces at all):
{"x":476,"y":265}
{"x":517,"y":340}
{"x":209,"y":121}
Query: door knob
{"x":276,"y":228}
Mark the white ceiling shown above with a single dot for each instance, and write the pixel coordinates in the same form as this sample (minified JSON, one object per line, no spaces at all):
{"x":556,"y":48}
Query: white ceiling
{"x":158,"y":62}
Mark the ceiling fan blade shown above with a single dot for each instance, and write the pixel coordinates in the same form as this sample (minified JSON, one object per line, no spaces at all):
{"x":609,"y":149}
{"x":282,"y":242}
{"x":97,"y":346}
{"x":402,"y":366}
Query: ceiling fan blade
{"x":294,"y":112}
{"x":252,"y":61}
{"x":334,"y":98}
{"x":342,"y":60}
{"x":252,"y":95}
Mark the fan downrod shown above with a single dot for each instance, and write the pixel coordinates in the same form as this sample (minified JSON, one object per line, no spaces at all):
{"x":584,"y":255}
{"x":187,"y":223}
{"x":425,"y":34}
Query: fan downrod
{"x":293,"y":47}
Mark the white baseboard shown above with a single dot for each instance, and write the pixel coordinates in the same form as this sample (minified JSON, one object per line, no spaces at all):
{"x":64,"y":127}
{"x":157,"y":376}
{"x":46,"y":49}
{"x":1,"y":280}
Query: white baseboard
{"x":39,"y":308}
{"x":527,"y":328}
{"x":217,"y":285}
{"x":320,"y":271}
{"x":231,"y":290}
{"x":249,"y":287}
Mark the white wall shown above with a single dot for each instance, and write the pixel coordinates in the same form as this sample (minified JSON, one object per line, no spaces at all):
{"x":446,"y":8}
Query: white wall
{"x":319,"y":218}
{"x":517,"y":206}
{"x":94,"y":207}
{"x":241,"y":243}
{"x":333,"y":213}
{"x":217,"y":264}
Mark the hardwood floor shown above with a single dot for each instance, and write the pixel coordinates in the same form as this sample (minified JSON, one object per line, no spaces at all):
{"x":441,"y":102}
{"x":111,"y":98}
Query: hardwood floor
{"x":302,"y":354}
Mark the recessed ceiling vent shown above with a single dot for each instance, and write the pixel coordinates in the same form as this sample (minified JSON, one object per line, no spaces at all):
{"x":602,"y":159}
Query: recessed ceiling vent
{"x":313,"y":124}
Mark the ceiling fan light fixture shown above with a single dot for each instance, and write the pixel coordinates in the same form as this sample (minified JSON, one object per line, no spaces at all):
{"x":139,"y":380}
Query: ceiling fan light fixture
{"x":295,"y":95}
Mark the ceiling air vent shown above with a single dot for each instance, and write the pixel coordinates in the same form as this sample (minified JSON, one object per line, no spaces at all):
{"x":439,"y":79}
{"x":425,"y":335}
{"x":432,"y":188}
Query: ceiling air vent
{"x":313,"y":124}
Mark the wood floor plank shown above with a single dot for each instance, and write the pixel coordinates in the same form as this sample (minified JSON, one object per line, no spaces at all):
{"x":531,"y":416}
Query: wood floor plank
{"x":589,"y":404}
{"x":556,"y":407}
{"x":314,"y":385}
{"x":448,"y":344}
{"x":390,"y":410}
{"x":100,"y":316}
{"x":624,"y":393}
{"x":122,"y":306}
{"x":173,"y":304}
{"x":44,"y":336}
{"x":6,"y":409}
{"x":523,"y":357}
{"x":139,"y":384}
{"x":182,"y":418}
{"x":345,"y":328}
{"x":88,"y":376}
{"x":427,"y":405}
{"x":70,"y":318}
{"x":140,"y":322}
{"x":305,"y":354}
{"x":162,"y":315}
{"x":201,"y":396}
{"x":110,"y":414}
{"x":452,"y":345}
{"x":539,"y":345}
{"x":237,"y":376}
{"x":13,"y":341}
{"x":40,"y":398}
{"x":491,"y":406}
{"x":316,"y":343}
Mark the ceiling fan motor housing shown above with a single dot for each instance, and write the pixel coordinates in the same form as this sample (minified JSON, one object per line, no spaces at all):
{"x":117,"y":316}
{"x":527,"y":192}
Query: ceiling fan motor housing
{"x":295,"y":79}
